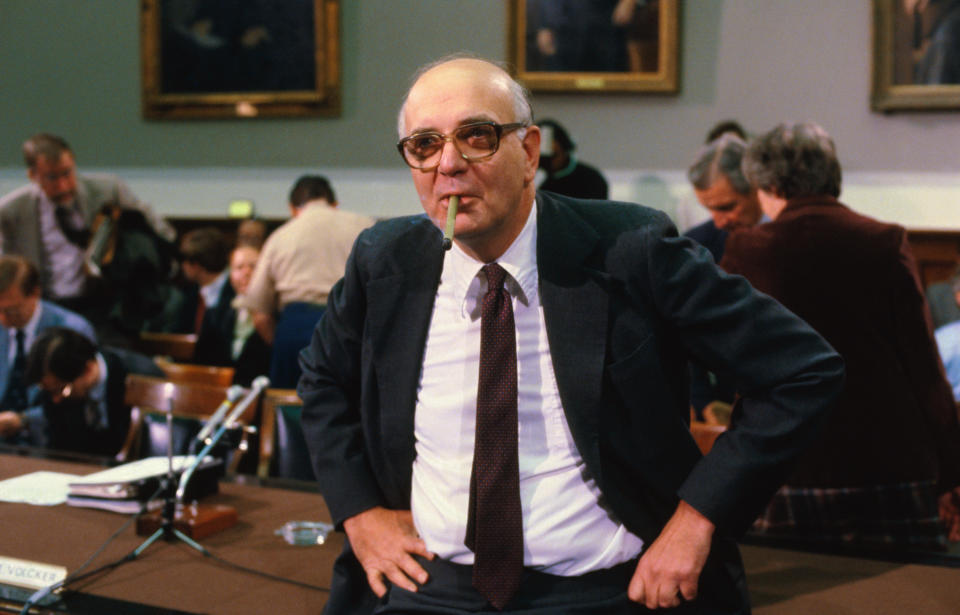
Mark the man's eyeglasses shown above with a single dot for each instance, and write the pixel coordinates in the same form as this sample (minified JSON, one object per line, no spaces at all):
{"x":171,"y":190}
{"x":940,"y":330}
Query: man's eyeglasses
{"x":473,"y":142}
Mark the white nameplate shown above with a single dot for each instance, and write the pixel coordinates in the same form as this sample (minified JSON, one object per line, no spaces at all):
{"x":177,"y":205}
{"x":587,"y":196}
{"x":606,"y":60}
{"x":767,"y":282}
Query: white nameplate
{"x":22,"y":573}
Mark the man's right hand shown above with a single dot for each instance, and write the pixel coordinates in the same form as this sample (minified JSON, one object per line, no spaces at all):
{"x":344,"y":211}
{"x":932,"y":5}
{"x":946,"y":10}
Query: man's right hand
{"x":10,"y":423}
{"x":385,"y":541}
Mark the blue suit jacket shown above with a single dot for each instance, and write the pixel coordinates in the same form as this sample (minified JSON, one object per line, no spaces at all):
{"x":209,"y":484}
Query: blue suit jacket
{"x":626,"y":304}
{"x":51,"y":315}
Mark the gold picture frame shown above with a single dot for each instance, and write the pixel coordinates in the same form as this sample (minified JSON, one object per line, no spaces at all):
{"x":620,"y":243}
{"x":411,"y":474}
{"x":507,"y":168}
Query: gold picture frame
{"x":907,"y":76}
{"x":563,"y":52}
{"x":240,"y":61}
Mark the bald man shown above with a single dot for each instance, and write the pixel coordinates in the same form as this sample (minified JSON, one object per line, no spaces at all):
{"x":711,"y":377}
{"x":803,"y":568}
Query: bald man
{"x":563,"y":327}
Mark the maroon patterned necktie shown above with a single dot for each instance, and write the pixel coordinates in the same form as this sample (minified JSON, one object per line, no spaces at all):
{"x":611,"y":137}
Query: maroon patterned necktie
{"x":494,"y":519}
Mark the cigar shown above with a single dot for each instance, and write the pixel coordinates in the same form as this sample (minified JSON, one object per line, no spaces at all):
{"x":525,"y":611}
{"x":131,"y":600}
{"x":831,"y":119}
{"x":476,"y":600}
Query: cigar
{"x":451,"y":222}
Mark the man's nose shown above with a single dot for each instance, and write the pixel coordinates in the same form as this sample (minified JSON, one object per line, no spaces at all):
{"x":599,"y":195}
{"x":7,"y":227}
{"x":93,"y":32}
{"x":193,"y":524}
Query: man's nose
{"x":451,"y":161}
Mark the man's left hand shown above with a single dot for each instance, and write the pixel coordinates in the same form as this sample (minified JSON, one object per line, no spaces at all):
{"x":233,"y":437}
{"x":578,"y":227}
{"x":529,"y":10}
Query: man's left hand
{"x":669,"y":570}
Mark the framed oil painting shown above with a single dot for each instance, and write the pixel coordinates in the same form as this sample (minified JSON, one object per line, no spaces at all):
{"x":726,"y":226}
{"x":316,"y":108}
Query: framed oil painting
{"x":256,"y":58}
{"x":595,"y":46}
{"x":916,"y":55}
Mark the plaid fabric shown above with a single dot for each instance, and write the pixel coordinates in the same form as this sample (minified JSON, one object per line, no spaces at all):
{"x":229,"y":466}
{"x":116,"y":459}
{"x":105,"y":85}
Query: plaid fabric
{"x":903,"y":514}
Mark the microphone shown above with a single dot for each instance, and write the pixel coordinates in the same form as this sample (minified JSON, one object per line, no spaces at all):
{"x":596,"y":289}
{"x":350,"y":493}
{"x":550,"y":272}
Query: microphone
{"x":256,"y":387}
{"x":233,"y":394}
{"x":451,"y":221}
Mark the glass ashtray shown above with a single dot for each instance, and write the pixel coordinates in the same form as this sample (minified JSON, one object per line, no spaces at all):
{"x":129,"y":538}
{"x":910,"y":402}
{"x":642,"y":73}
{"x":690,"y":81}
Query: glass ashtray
{"x":304,"y":533}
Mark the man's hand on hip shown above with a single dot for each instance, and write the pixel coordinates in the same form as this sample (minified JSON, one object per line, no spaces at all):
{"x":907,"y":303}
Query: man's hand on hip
{"x":669,"y":571}
{"x":385,"y":541}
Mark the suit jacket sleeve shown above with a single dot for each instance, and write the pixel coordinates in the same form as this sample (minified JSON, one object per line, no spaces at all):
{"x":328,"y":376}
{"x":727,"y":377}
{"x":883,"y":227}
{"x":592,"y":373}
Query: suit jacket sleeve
{"x":787,"y":376}
{"x":330,"y":389}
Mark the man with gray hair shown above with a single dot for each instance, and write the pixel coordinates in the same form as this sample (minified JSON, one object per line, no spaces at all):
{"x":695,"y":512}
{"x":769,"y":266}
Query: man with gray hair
{"x":48,"y":220}
{"x":720,"y":186}
{"x":503,"y":424}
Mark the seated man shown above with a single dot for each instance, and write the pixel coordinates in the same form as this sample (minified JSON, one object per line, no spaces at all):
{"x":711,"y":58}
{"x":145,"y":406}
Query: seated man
{"x":205,"y":255}
{"x":83,"y":392}
{"x":24,"y":315}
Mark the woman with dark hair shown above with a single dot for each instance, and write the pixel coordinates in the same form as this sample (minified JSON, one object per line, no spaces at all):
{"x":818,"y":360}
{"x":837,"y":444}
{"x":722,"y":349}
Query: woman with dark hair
{"x":891,"y":447}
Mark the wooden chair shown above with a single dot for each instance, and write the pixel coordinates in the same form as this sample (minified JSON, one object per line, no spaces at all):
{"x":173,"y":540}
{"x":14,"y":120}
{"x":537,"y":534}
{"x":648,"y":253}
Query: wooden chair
{"x":177,"y":346}
{"x":191,"y":404}
{"x":283,"y":447}
{"x":191,"y":373}
{"x":705,"y":434}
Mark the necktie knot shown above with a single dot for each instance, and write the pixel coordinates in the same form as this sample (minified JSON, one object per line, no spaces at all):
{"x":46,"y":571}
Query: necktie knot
{"x":496,"y":275}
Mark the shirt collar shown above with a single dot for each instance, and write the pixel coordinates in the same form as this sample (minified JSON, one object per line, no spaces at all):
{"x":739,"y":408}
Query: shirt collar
{"x":211,"y":291}
{"x":462,"y":272}
{"x":29,"y":329}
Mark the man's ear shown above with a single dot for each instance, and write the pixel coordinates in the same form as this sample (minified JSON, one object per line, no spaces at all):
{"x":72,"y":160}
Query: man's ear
{"x":531,"y":146}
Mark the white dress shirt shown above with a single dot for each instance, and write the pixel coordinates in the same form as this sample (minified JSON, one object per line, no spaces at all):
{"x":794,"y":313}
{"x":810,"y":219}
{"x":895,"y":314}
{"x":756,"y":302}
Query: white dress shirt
{"x":566,"y":530}
{"x":64,"y":260}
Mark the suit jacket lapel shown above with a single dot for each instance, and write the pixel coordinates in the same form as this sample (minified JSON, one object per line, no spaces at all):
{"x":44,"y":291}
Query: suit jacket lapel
{"x":575,"y":309}
{"x":399,"y":308}
{"x":84,"y":204}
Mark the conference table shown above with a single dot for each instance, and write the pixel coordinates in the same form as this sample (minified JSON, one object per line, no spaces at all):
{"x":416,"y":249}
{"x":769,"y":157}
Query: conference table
{"x":172,"y":577}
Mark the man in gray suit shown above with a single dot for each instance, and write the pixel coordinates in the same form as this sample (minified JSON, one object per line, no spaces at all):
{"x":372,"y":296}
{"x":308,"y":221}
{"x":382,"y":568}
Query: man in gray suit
{"x":24,"y":315}
{"x":591,"y":310}
{"x":48,"y":220}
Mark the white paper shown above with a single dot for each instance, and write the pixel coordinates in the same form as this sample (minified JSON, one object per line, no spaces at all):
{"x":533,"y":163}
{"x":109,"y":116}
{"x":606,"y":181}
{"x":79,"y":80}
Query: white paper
{"x":136,"y":470}
{"x":37,"y":488}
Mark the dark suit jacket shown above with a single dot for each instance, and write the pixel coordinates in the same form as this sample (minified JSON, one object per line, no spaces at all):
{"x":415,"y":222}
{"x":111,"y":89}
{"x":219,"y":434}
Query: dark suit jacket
{"x":215,"y":342}
{"x":709,"y":236}
{"x":855,"y":281}
{"x":626,"y":302}
{"x":66,"y":428}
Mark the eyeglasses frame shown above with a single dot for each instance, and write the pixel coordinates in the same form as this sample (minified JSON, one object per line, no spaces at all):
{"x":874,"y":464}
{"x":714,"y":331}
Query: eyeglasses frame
{"x":501,"y":130}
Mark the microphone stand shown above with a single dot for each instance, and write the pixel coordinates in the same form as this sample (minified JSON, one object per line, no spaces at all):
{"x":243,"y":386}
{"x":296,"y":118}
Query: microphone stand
{"x":220,"y":517}
{"x":167,"y":529}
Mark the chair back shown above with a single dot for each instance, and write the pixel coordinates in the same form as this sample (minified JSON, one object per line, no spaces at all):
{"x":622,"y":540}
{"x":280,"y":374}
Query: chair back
{"x":177,"y":346}
{"x":194,"y":373}
{"x":191,"y":404}
{"x":283,"y":447}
